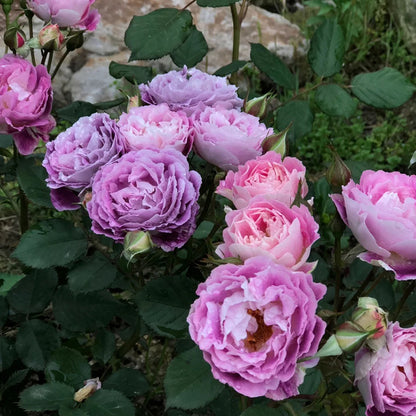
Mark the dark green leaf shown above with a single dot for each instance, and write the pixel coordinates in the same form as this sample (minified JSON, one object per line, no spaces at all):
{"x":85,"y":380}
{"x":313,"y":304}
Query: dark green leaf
{"x":76,"y":110}
{"x":157,"y":33}
{"x":72,"y":411}
{"x":272,"y":66}
{"x":33,"y":293}
{"x":48,"y":396}
{"x":227,"y":403}
{"x":203,"y":230}
{"x":263,"y":410}
{"x":326,"y":52}
{"x":31,"y":176}
{"x":133,"y":73}
{"x":164,"y":304}
{"x":299,"y":114}
{"x":230,"y":68}
{"x":4,"y":311}
{"x":384,"y":293}
{"x":105,"y":105}
{"x":335,"y":101}
{"x":7,"y":354}
{"x":8,"y":281}
{"x":386,"y":88}
{"x":109,"y":403}
{"x":16,"y":378}
{"x":128,"y":381}
{"x":83,"y":312}
{"x":6,"y":140}
{"x":192,"y":50}
{"x":189,"y":383}
{"x":215,"y":3}
{"x":91,"y":274}
{"x":35,"y":343}
{"x":68,"y":366}
{"x":358,"y":271}
{"x":311,"y":382}
{"x":54,"y":242}
{"x":104,"y":345}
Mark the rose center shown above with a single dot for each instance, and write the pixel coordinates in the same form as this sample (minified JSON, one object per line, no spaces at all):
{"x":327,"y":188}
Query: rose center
{"x":255,"y":340}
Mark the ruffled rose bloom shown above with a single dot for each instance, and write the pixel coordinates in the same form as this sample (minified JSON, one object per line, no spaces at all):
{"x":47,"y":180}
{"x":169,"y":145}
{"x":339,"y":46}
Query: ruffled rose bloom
{"x":228,"y":138}
{"x":187,"y":90}
{"x":270,"y":228}
{"x":267,"y":176}
{"x":74,"y":157}
{"x":25,"y":102}
{"x":254,"y":323}
{"x":387,"y":378}
{"x":156,"y":126}
{"x":381,"y":213}
{"x":64,"y":13}
{"x":146,"y":190}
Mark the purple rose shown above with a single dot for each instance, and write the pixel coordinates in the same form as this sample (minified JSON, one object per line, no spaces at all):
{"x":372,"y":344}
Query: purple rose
{"x":75,"y":156}
{"x":381,"y":213}
{"x":64,"y":13}
{"x":387,"y":378}
{"x":187,"y":90}
{"x":146,"y":190}
{"x":228,"y":138}
{"x":156,"y":126}
{"x":25,"y":102}
{"x":254,"y":323}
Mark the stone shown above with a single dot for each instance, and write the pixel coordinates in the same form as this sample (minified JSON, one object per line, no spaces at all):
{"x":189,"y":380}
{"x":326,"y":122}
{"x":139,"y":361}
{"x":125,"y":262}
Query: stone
{"x":404,"y":12}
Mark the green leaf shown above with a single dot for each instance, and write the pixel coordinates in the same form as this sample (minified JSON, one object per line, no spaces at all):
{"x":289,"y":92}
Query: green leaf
{"x":326,"y":53}
{"x":72,"y":411}
{"x":272,"y":66}
{"x":104,"y":345}
{"x":4,"y":311}
{"x":191,"y":51}
{"x":384,"y":293}
{"x":68,"y":366}
{"x":215,"y":3}
{"x":16,"y":378}
{"x":31,"y":176}
{"x":128,"y":381}
{"x":386,"y":88}
{"x":6,"y":140}
{"x":164,"y":304}
{"x":93,"y":273}
{"x":50,"y":396}
{"x":230,"y":68}
{"x":189,"y":383}
{"x":335,"y":101}
{"x":9,"y":280}
{"x":33,"y":293}
{"x":133,"y":73}
{"x":227,"y":403}
{"x":299,"y":114}
{"x":263,"y":410}
{"x":157,"y":33}
{"x":7,"y":354}
{"x":203,"y":230}
{"x":109,"y":403}
{"x":83,"y":312}
{"x":76,"y":110}
{"x":313,"y":379}
{"x":35,"y":343}
{"x":54,"y":242}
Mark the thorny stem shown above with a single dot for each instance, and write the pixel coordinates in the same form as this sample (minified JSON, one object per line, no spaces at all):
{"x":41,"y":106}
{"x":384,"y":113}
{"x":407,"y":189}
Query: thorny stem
{"x":58,"y":65}
{"x":32,"y":52}
{"x":408,"y":291}
{"x":359,"y":291}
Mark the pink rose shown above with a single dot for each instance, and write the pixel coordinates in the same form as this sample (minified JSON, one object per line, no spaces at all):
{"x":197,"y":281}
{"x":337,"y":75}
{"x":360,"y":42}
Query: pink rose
{"x":270,"y":228}
{"x":64,"y":13}
{"x":381,"y":213}
{"x":25,"y":102}
{"x":254,"y":323}
{"x":387,"y":378}
{"x":155,"y":126}
{"x":228,"y":138}
{"x":267,"y":176}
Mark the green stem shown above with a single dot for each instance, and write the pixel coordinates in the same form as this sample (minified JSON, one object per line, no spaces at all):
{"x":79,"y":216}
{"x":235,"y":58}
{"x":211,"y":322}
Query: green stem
{"x":32,"y":52}
{"x":129,"y":344}
{"x":236,"y":32}
{"x":44,"y":55}
{"x":408,"y":291}
{"x":50,"y":61}
{"x":13,"y":204}
{"x":58,"y":65}
{"x":338,"y":277}
{"x":359,"y":291}
{"x":244,"y":404}
{"x":24,"y":203}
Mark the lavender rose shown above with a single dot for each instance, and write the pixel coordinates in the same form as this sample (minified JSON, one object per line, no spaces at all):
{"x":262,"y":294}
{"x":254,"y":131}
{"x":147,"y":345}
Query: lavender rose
{"x":254,"y":322}
{"x":74,"y":157}
{"x":387,"y":378}
{"x":228,"y":138}
{"x":147,"y":190}
{"x":270,"y":228}
{"x":381,"y":213}
{"x":187,"y":90}
{"x":25,"y":102}
{"x":267,"y":176}
{"x":64,"y":13}
{"x":156,"y":126}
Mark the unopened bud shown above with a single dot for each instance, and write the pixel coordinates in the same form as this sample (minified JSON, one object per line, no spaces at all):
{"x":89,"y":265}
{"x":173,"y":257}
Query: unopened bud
{"x":133,"y":102}
{"x":85,"y":197}
{"x":351,"y":337}
{"x":338,"y":173}
{"x":370,"y":317}
{"x":91,"y":386}
{"x":257,"y":106}
{"x":136,"y":242}
{"x":276,"y":142}
{"x":75,"y":41}
{"x":51,"y":38}
{"x":14,"y":38}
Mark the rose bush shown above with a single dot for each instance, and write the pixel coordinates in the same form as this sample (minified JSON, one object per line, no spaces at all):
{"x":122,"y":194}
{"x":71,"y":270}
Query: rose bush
{"x":268,"y":176}
{"x":381,"y":213}
{"x":254,"y":322}
{"x":387,"y":378}
{"x":25,"y":102}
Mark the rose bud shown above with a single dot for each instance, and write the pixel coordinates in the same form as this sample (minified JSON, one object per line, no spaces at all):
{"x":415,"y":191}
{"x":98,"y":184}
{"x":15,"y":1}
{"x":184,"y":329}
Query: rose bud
{"x":257,"y":106}
{"x":51,"y":38}
{"x":91,"y":386}
{"x":14,"y":38}
{"x":351,"y":337}
{"x":338,"y":173}
{"x":369,"y":316}
{"x":136,"y":242}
